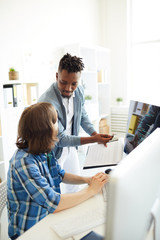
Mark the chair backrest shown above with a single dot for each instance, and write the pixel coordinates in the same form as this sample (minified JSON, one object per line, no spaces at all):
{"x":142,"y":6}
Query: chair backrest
{"x":3,"y":195}
{"x":3,"y":199}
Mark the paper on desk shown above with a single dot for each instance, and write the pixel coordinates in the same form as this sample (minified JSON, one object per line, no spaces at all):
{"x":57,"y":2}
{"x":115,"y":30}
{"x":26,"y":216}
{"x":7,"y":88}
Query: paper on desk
{"x":99,"y":155}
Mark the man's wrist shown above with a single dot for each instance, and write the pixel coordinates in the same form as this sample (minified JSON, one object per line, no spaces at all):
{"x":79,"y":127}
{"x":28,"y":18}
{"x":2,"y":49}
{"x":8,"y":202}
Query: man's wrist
{"x":87,"y":140}
{"x":93,"y":139}
{"x":94,"y":133}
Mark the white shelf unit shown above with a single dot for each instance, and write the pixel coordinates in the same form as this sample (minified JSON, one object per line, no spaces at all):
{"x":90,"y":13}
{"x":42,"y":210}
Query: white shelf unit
{"x":26,"y":93}
{"x":95,"y":79}
{"x":36,"y":75}
{"x":10,"y":114}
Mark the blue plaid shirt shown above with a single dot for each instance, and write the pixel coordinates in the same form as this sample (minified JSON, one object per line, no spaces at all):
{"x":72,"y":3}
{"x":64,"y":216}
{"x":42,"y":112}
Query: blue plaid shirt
{"x":33,"y":189}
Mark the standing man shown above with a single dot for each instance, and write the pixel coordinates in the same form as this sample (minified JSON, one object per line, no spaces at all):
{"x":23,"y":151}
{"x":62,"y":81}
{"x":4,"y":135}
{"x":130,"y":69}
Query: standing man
{"x":68,"y":99}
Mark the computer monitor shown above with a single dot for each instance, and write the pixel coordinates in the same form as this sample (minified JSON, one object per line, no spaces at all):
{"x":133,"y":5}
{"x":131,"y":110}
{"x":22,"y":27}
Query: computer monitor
{"x":143,"y":119}
{"x":134,"y":193}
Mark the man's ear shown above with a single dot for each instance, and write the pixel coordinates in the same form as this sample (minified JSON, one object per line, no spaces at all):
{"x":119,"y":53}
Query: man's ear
{"x":57,"y":76}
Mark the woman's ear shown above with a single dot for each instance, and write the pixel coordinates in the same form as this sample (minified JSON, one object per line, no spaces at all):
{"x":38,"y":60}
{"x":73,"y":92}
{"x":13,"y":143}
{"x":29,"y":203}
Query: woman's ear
{"x":57,"y":76}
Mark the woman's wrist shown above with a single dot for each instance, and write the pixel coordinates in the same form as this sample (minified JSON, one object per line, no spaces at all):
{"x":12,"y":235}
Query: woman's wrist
{"x":91,"y":190}
{"x":88,"y":180}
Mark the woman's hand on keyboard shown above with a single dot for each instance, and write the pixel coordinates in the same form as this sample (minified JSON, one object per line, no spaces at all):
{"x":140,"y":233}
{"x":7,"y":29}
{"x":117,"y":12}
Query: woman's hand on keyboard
{"x":98,"y":182}
{"x":72,"y":199}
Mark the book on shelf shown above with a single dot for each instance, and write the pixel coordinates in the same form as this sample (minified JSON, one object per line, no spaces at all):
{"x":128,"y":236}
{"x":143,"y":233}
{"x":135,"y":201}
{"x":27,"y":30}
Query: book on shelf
{"x":8,"y":96}
{"x":99,"y":76}
{"x":133,"y":124}
{"x":31,"y":93}
{"x":139,"y":108}
{"x":145,"y":108}
{"x":25,"y":94}
{"x":13,"y":96}
{"x":19,"y":90}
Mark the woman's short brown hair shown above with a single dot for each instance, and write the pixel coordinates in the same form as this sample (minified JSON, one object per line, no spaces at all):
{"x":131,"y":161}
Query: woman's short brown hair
{"x":36,"y":129}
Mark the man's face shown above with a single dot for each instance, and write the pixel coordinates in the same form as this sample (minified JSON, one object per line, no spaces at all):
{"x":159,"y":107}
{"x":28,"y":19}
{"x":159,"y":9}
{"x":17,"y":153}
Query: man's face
{"x":67,"y":82}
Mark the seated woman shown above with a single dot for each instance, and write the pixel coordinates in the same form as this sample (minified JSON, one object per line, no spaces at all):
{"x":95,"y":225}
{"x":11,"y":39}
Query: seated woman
{"x":34,"y":175}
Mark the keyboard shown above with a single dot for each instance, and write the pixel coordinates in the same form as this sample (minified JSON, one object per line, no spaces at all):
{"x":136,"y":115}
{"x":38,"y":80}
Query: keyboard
{"x":85,"y":221}
{"x":105,"y":192}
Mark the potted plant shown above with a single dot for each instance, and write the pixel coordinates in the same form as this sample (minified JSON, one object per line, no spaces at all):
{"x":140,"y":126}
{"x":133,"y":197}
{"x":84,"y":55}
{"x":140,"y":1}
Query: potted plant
{"x":119,"y":100}
{"x":13,"y":75}
{"x":88,"y":97}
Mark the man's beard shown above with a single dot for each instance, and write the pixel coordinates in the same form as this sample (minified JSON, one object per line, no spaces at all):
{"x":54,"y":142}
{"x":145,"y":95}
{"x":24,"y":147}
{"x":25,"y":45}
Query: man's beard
{"x":64,"y":96}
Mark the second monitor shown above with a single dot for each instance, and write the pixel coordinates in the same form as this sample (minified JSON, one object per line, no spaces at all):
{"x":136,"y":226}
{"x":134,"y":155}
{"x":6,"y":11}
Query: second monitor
{"x":134,"y":193}
{"x":143,"y":119}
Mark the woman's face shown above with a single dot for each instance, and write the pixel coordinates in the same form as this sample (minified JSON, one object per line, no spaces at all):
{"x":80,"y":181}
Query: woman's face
{"x":55,"y":123}
{"x":56,"y":126}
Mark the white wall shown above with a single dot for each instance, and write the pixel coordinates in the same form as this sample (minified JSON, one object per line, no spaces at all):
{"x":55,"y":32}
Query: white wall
{"x":43,"y":25}
{"x":145,"y":51}
{"x":115,"y":38}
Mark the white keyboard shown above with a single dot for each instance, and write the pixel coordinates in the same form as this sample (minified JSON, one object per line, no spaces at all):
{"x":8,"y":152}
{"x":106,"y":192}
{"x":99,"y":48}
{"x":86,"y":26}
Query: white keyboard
{"x":75,"y":225}
{"x":105,"y":192}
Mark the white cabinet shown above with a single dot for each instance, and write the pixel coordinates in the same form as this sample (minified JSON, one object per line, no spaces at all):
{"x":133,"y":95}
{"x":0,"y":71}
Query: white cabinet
{"x":95,"y":78}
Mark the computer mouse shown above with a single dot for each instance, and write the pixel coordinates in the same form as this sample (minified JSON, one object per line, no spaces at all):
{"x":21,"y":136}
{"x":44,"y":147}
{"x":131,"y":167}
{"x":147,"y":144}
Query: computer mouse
{"x":107,"y":171}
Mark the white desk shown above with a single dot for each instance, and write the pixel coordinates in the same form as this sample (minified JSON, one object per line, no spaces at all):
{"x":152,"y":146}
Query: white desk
{"x":43,"y":231}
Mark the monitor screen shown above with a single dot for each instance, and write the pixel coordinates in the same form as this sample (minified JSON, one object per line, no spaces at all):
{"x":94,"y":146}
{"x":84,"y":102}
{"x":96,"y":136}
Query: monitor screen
{"x":134,"y":188}
{"x":143,"y":119}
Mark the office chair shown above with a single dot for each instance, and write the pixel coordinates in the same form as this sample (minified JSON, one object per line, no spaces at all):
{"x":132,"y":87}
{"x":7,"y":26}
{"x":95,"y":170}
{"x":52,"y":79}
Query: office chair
{"x":3,"y":199}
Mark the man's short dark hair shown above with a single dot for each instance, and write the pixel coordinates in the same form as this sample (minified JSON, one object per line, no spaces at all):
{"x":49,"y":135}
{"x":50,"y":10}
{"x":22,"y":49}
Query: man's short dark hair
{"x":71,"y":64}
